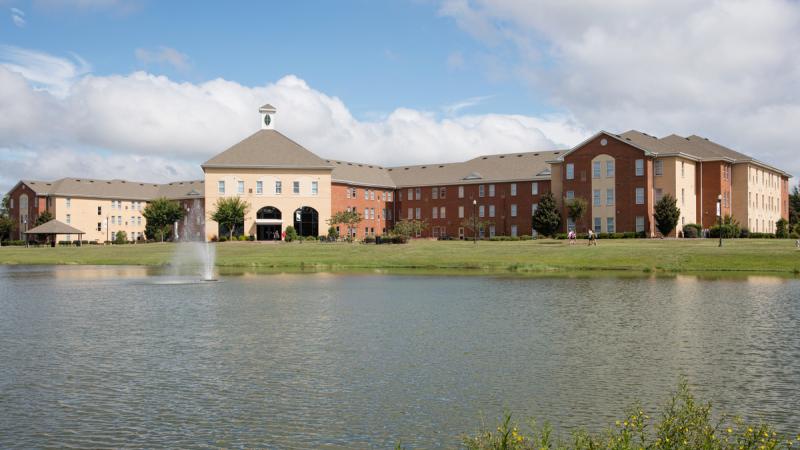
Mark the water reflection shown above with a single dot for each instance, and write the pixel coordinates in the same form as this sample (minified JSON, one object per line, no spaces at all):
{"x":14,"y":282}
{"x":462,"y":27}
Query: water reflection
{"x":100,"y":356}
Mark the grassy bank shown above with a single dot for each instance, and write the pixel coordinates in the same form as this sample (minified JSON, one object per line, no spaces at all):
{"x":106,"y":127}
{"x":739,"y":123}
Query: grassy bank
{"x":743,"y":255}
{"x":684,"y":423}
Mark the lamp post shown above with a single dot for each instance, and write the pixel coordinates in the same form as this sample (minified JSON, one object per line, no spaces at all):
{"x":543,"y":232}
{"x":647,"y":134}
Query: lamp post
{"x":719,"y":217}
{"x":474,"y":222}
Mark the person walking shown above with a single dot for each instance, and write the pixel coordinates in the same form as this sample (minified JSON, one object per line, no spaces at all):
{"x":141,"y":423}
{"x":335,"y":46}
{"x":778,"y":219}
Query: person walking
{"x":592,"y":238}
{"x":572,"y":237}
{"x":276,"y":236}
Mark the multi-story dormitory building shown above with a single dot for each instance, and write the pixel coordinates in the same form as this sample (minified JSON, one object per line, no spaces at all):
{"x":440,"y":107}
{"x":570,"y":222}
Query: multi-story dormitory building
{"x":620,"y":176}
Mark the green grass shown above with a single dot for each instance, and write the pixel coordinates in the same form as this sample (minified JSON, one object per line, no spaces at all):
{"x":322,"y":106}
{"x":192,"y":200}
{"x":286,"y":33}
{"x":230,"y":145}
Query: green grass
{"x":646,"y":256}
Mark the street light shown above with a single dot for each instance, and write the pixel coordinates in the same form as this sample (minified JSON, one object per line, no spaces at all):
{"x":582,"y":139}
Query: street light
{"x":474,"y":222}
{"x":719,"y":217}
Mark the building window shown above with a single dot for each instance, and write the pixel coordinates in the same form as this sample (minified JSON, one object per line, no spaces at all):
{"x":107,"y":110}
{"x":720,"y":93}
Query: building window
{"x":481,"y":191}
{"x":639,"y":224}
{"x":491,"y":190}
{"x":434,"y":193}
{"x":461,"y":192}
{"x":366,"y":213}
{"x":240,"y":187}
{"x":347,"y":192}
{"x":259,"y":187}
{"x":659,"y":194}
{"x":596,"y":168}
{"x":99,"y":226}
{"x":491,"y":231}
{"x":640,"y":196}
{"x":69,"y":203}
{"x":570,"y":171}
{"x":609,"y":169}
{"x":113,"y":220}
{"x":441,"y":212}
{"x":639,"y":167}
{"x":139,"y":220}
{"x":570,"y":224}
{"x":609,"y":197}
{"x":371,"y":194}
{"x":534,"y":207}
{"x":435,"y":212}
{"x":597,"y":227}
{"x":683,"y":196}
{"x":278,"y":187}
{"x":389,"y":196}
{"x":658,"y":167}
{"x":314,"y":187}
{"x":460,"y":212}
{"x":534,"y":188}
{"x":513,"y":210}
{"x":491,"y":210}
{"x":596,"y":197}
{"x":410,"y":194}
{"x":418,"y":213}
{"x":683,"y":169}
{"x":220,"y":187}
{"x":99,"y":210}
{"x":366,"y":194}
{"x":570,"y":195}
{"x":295,"y":187}
{"x":513,"y":189}
{"x":69,"y":218}
{"x":481,"y":211}
{"x":610,"y":225}
{"x":442,"y":192}
{"x":418,"y":193}
{"x":513,"y":230}
{"x":410,"y":213}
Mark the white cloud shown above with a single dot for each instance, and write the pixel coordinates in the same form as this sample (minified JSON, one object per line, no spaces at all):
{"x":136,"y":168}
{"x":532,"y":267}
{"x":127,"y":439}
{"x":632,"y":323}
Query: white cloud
{"x":456,"y":107}
{"x":148,"y":127}
{"x":18,"y":17}
{"x":163,"y":55}
{"x":42,"y":70}
{"x":728,"y":70}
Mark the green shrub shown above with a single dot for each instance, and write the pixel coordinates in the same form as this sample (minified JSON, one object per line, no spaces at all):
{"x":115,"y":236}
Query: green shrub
{"x":525,"y":237}
{"x":369,"y":239}
{"x":794,"y":235}
{"x":782,"y":229}
{"x":744,"y":233}
{"x":291,"y":234}
{"x":311,"y":238}
{"x":333,"y":233}
{"x":223,"y":239}
{"x":120,"y":237}
{"x":561,"y":236}
{"x":684,"y":423}
{"x":692,"y":230}
{"x":602,"y":235}
{"x":629,"y":235}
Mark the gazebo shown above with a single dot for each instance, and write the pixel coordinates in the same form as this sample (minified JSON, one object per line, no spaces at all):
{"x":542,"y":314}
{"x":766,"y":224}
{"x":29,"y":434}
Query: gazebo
{"x":53,"y":228}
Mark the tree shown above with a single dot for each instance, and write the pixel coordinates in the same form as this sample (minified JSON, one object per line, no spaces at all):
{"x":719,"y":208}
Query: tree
{"x":333,"y":233}
{"x":120,"y":237}
{"x":7,"y":224}
{"x":667,"y":214}
{"x":44,"y":218}
{"x":161,"y":214}
{"x":794,"y":207}
{"x":474,"y":224}
{"x":576,"y":208}
{"x":229,"y":212}
{"x":410,"y":227}
{"x":782,"y":229}
{"x":350,"y":219}
{"x":546,"y":219}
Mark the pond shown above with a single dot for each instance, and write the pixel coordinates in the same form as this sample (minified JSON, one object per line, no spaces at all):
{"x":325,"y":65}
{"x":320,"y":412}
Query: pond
{"x":125,"y":356}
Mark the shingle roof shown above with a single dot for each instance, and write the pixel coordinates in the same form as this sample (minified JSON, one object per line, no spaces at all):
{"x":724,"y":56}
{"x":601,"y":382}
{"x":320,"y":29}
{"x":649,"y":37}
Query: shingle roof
{"x":267,"y":149}
{"x":54,"y":227}
{"x":117,"y":189}
{"x":357,"y":173}
{"x":482,"y":169}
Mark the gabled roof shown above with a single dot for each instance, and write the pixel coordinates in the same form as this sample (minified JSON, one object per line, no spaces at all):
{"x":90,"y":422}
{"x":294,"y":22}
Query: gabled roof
{"x":116,"y":189}
{"x":267,"y":149}
{"x":54,"y":227}
{"x":180,"y":190}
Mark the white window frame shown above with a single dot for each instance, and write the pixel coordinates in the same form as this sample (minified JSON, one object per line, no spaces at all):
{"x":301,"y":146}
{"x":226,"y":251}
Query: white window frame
{"x":610,"y":226}
{"x":513,"y":210}
{"x":259,"y":187}
{"x":639,"y":167}
{"x":240,"y":186}
{"x":461,"y":192}
{"x":435,"y":212}
{"x":535,"y":188}
{"x":221,"y":187}
{"x":639,"y":196}
{"x":658,"y":167}
{"x":596,"y":200}
{"x":640,"y":224}
{"x":314,"y":187}
{"x":418,"y":213}
{"x":597,"y":169}
{"x":609,"y":169}
{"x":481,"y":211}
{"x":491,"y":190}
{"x":442,"y":211}
{"x":609,"y":197}
{"x":513,"y":230}
{"x":598,"y":225}
{"x":570,"y":195}
{"x":570,"y":171}
{"x":513,"y":189}
{"x":296,"y":187}
{"x":460,"y":212}
{"x":491,"y":211}
{"x":278,"y":187}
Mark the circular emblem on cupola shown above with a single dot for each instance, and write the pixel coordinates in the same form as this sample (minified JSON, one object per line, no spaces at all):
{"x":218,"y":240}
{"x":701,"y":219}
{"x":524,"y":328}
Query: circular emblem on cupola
{"x":603,"y":142}
{"x":267,"y":119}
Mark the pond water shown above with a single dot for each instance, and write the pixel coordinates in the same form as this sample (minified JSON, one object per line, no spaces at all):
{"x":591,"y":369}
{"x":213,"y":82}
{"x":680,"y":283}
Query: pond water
{"x":112,"y":357}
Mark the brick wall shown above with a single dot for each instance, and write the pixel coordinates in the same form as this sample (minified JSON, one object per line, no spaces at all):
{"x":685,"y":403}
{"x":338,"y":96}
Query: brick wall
{"x":377,"y":201}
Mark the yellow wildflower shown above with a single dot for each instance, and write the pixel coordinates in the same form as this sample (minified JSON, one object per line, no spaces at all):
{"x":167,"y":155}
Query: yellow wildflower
{"x":730,"y":430}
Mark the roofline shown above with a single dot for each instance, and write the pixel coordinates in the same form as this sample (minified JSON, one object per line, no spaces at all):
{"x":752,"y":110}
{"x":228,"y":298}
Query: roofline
{"x":363,"y":184}
{"x":261,"y":166}
{"x":481,"y":181}
{"x":601,"y":132}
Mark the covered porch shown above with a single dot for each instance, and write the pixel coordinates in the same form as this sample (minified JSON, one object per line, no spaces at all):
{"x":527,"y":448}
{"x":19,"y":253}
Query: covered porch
{"x":50,"y":230}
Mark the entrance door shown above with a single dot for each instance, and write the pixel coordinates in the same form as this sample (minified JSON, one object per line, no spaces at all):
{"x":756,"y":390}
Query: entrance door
{"x":268,"y":232}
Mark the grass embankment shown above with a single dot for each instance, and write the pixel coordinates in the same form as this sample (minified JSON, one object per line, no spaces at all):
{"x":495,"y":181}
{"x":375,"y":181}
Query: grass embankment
{"x":684,"y":423}
{"x":742,"y":255}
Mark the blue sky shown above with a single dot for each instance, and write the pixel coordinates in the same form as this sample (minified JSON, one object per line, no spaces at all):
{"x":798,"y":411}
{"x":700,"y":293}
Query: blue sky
{"x":148,"y":90}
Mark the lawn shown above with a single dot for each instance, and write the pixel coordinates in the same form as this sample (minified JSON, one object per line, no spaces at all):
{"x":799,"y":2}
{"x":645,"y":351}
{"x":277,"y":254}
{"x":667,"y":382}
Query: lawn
{"x":745,"y":255}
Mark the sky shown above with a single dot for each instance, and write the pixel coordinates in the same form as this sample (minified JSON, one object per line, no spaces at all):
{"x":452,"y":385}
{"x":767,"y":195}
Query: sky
{"x":147,"y":90}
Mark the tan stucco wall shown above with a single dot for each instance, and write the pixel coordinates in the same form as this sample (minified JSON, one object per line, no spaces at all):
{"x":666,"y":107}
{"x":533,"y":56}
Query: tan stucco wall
{"x":603,"y":183}
{"x":681,"y":184}
{"x":286,"y":202}
{"x":83,"y":216}
{"x":756,"y":197}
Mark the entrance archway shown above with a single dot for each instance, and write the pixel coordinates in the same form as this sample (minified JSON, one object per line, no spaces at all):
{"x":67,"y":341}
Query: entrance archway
{"x":268,"y":224}
{"x":306,"y":221}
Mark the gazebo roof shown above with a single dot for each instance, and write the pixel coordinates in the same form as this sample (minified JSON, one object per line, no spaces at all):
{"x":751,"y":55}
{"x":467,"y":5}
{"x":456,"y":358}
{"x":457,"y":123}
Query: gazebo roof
{"x":54,"y":227}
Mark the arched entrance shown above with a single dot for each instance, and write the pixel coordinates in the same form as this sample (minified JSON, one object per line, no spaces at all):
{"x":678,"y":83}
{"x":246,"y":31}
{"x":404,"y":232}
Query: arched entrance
{"x":306,"y":221}
{"x":268,"y":224}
